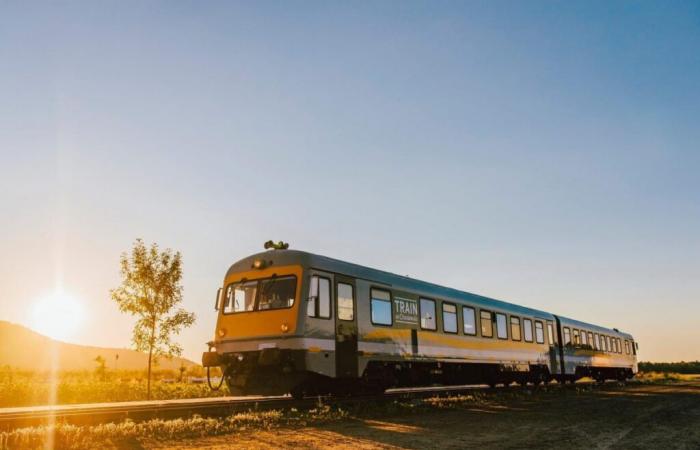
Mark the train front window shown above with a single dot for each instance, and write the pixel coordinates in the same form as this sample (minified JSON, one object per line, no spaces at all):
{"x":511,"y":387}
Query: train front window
{"x":240,"y":297}
{"x":260,"y":295}
{"x":277,"y":293}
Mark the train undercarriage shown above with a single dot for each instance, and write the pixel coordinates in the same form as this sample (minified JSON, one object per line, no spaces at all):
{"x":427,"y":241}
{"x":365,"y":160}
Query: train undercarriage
{"x":279,"y":371}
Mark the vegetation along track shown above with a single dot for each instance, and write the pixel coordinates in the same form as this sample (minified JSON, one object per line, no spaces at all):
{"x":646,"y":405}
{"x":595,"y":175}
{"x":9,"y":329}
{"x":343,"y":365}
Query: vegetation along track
{"x":95,"y":413}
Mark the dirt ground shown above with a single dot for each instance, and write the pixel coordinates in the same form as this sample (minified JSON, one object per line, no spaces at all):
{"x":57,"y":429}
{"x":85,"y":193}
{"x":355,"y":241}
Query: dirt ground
{"x":636,"y":416}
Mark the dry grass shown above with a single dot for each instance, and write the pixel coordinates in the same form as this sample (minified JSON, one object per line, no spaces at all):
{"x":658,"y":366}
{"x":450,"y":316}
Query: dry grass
{"x":26,"y":388}
{"x":113,"y":435}
{"x":664,"y":377}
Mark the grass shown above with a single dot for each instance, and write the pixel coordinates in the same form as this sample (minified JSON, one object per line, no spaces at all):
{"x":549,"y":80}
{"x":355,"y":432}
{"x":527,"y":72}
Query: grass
{"x":122,"y":434}
{"x":27,"y":388}
{"x":664,"y":377}
{"x":129,"y":433}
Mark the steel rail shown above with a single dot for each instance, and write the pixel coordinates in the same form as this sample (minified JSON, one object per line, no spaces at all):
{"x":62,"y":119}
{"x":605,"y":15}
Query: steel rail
{"x":96,"y":413}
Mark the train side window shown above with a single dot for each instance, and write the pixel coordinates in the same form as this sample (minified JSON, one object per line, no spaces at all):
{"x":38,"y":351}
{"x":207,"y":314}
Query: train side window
{"x":634,"y":348}
{"x":590,"y":339}
{"x":501,"y":326}
{"x":527,"y":330}
{"x":567,"y":336}
{"x":550,"y":333}
{"x":427,"y":314}
{"x":627,"y":347}
{"x":449,"y":318}
{"x":515,"y":328}
{"x":380,"y":306}
{"x":619,"y":345}
{"x":607,"y":344}
{"x":469,"y":320}
{"x":346,"y":302}
{"x":319,"y":303}
{"x":584,"y":337}
{"x":596,"y":341}
{"x":486,"y":324}
{"x":539,"y":332}
{"x":577,"y":337}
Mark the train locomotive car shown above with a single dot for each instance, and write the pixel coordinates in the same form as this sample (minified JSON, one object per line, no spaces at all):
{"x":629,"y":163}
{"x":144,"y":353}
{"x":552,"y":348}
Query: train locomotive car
{"x":295,"y":322}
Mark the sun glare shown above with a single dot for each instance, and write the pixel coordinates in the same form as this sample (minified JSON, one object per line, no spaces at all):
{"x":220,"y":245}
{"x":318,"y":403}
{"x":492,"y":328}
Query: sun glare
{"x":59,"y":315}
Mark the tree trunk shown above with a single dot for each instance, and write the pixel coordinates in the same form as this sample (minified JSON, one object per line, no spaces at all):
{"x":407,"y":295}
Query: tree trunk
{"x":150,"y":356}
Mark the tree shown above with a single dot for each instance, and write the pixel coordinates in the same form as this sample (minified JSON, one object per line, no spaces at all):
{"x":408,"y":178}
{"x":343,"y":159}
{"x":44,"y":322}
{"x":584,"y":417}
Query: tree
{"x":101,"y":369}
{"x":151,"y":291}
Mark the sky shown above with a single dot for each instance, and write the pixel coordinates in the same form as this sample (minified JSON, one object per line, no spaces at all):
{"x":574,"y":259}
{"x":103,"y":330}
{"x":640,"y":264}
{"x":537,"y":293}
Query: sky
{"x":543,"y":153}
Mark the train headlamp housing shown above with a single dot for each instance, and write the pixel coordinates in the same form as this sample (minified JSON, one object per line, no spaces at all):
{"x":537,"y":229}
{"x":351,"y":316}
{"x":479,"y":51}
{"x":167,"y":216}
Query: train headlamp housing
{"x":259,"y":264}
{"x":221,"y":332}
{"x":284,"y":327}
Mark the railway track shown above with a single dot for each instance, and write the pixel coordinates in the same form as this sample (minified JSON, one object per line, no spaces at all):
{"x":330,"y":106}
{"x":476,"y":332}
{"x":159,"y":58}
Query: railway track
{"x":95,"y":413}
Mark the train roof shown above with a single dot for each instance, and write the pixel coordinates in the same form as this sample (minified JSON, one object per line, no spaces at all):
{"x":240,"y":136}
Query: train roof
{"x":428,"y":289}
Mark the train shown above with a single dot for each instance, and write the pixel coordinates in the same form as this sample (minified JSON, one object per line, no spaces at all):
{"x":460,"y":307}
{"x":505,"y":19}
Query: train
{"x":293,"y":322}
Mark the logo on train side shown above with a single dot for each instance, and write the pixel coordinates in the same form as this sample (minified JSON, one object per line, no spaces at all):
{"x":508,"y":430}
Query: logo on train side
{"x":406,"y":310}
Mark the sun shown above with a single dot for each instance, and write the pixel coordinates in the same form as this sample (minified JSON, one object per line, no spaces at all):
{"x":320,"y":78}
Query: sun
{"x":58,"y":315}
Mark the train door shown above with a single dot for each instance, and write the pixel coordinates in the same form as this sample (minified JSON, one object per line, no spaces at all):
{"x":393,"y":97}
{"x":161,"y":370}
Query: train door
{"x":345,"y":328}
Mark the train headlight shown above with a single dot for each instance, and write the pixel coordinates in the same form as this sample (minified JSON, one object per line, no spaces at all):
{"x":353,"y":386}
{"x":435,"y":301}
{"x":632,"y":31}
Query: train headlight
{"x":284,"y":327}
{"x":222,"y":332}
{"x":259,"y":264}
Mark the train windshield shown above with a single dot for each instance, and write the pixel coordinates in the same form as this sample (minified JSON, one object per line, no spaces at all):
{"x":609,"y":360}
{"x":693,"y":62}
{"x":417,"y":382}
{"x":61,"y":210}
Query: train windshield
{"x":260,"y":295}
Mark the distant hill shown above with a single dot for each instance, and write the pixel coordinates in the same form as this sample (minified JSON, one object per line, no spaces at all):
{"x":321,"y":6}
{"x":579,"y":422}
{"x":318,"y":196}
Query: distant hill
{"x":23,"y":348}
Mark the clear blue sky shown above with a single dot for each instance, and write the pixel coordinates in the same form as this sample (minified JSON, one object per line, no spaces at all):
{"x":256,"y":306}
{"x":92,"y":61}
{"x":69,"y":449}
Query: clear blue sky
{"x":545,"y":153}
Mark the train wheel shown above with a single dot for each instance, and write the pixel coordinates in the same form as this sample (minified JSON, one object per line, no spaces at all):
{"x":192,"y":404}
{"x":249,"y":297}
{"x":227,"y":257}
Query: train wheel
{"x":298,"y":392}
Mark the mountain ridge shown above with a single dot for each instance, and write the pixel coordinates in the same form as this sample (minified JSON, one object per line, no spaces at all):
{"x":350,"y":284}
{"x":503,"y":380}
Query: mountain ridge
{"x":24,"y":348}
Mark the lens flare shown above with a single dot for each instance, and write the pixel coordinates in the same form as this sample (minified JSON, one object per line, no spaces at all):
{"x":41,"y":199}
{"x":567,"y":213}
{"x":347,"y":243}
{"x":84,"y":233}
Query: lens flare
{"x":58,"y":315}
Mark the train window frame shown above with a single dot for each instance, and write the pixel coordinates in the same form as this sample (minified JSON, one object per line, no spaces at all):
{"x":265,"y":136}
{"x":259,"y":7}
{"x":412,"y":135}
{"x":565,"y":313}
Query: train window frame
{"x":627,"y":347}
{"x":505,"y":326}
{"x":456,"y":314}
{"x":584,"y":337}
{"x":373,"y":299}
{"x":541,"y":329}
{"x":518,"y":327}
{"x":474,"y":324}
{"x":489,"y":315}
{"x":420,"y":313}
{"x":567,"y":336}
{"x":317,"y":304}
{"x":576,"y":336}
{"x":619,"y":345}
{"x":607,"y":344}
{"x":525,"y":328}
{"x":596,"y":341}
{"x":551,"y":338}
{"x":256,"y":301}
{"x":590,"y":339}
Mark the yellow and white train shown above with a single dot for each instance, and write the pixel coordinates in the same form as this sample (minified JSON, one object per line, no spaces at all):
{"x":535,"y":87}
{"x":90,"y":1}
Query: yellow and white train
{"x":291,"y":321}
